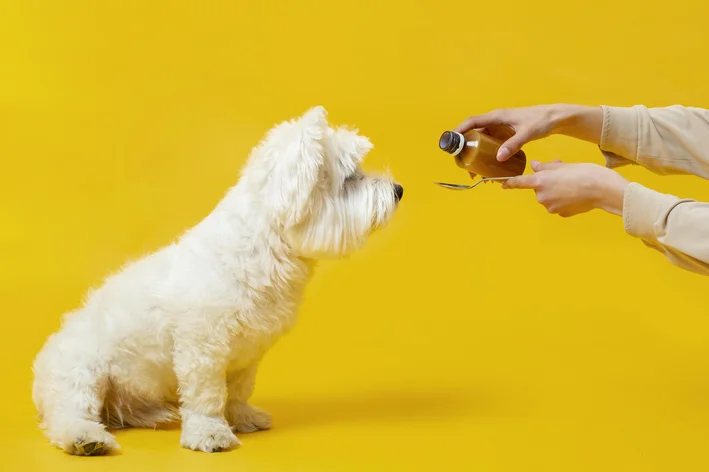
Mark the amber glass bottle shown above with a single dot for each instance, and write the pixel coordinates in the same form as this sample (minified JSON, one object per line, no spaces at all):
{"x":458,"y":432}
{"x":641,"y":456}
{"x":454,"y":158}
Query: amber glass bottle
{"x":476,"y":152}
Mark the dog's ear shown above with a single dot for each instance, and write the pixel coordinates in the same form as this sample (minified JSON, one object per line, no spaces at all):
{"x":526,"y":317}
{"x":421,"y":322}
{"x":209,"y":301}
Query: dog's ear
{"x":352,"y":148}
{"x":298,"y":168}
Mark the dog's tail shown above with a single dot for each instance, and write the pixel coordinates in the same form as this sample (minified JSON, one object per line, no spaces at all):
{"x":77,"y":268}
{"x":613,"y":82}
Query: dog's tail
{"x":121,"y":412}
{"x":116,"y":418}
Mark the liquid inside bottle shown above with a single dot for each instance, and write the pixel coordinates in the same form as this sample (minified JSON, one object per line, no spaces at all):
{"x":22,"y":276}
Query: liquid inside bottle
{"x":476,"y":152}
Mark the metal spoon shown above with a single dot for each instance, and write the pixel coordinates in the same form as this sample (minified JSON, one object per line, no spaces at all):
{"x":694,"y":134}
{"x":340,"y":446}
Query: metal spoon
{"x":468,"y":187}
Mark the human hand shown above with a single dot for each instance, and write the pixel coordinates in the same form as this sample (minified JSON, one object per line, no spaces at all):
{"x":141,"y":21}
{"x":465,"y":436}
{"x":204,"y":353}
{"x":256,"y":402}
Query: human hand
{"x":518,"y":126}
{"x":514,"y":126}
{"x":572,"y":189}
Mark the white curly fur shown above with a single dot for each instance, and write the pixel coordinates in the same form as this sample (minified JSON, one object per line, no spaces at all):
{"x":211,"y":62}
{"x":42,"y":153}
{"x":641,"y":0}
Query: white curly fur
{"x":180,"y":333}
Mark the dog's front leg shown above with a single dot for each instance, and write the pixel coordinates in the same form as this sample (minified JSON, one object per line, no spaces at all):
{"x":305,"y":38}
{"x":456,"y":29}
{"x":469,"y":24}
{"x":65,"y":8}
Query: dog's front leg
{"x":200,"y":366}
{"x":243,"y":417}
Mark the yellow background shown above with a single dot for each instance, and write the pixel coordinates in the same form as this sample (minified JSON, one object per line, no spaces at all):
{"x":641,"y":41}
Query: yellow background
{"x":476,"y":332}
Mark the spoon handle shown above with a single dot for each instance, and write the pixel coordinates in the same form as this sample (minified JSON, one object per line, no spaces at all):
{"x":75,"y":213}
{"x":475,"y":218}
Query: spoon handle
{"x":468,"y":187}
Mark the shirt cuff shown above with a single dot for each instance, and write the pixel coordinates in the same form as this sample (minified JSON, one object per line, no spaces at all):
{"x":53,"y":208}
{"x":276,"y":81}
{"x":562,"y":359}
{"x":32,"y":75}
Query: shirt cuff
{"x":643,"y":209}
{"x":613,"y":161}
{"x":619,"y":135}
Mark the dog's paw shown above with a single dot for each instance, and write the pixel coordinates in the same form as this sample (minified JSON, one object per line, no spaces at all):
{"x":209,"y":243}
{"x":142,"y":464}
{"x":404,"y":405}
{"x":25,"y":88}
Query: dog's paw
{"x":88,"y":438}
{"x":245,"y":418}
{"x":208,"y":435}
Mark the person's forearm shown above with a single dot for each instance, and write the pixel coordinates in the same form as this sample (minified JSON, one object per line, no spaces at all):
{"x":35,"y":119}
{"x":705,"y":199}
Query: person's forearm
{"x":679,"y":228}
{"x":666,"y":140}
{"x":610,"y":193}
{"x":578,"y":121}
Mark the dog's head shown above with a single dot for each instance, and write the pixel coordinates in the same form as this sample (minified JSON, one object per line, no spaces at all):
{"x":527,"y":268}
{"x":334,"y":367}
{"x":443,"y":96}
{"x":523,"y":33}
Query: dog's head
{"x":314,"y":191}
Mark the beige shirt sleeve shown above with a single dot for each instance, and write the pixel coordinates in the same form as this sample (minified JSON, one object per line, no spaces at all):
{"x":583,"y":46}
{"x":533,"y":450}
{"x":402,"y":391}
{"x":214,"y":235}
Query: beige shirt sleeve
{"x":672,"y":140}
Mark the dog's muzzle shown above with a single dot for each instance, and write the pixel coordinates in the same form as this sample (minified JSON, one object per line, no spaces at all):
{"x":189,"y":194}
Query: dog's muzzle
{"x":398,"y":192}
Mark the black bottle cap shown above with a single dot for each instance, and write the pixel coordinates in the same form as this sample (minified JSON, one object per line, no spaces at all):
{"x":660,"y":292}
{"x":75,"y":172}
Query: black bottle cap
{"x":449,"y":142}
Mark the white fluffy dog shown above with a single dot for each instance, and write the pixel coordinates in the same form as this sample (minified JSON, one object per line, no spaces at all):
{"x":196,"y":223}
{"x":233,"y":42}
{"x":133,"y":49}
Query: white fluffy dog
{"x":180,"y":333}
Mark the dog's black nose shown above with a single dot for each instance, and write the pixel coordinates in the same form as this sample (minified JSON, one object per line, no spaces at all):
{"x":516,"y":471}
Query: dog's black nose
{"x":398,"y":192}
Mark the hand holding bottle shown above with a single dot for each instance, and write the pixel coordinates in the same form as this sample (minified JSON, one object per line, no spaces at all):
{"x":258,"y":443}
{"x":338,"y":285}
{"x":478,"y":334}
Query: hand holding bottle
{"x":518,"y":126}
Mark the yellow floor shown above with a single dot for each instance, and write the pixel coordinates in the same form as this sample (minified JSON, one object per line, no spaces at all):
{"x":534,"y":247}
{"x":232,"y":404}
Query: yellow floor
{"x":475,"y":333}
